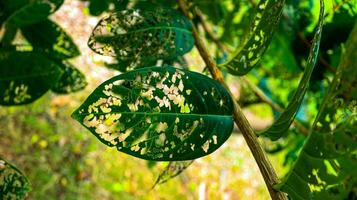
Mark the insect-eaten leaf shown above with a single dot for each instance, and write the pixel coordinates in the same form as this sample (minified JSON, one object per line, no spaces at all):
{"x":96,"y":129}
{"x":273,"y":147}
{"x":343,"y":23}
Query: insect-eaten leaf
{"x":145,"y":34}
{"x":49,"y":37}
{"x":13,"y":184}
{"x":33,"y":12}
{"x":159,"y":113}
{"x":173,"y":169}
{"x":282,"y":124}
{"x":326,"y":166}
{"x":72,"y":80}
{"x":25,"y":76}
{"x":246,"y":57}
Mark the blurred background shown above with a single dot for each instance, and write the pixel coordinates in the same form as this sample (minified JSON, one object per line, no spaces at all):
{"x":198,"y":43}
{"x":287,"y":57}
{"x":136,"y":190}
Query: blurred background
{"x":62,"y":160}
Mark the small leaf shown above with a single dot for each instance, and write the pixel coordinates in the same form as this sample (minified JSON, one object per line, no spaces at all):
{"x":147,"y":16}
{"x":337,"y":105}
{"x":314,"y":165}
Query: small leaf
{"x":173,"y":169}
{"x":72,"y":80}
{"x":282,"y":124}
{"x":159,"y":113}
{"x":142,"y":34}
{"x":326,"y":166}
{"x":25,"y":76}
{"x":267,"y":16}
{"x":49,"y":37}
{"x":13,"y":184}
{"x":33,"y":12}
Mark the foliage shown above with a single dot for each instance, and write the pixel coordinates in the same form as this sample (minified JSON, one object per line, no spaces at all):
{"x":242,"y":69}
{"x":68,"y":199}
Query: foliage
{"x":158,"y":112}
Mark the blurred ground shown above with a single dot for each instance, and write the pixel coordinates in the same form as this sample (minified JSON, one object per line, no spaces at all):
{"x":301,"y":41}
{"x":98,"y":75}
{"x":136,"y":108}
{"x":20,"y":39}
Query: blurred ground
{"x":64,"y":161}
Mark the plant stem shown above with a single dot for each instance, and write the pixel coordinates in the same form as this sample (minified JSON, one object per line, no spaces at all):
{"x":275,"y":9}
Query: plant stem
{"x":266,"y":168}
{"x":257,"y":91}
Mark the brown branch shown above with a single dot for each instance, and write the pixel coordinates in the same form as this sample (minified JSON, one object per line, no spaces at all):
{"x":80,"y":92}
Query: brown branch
{"x":257,"y":91}
{"x":261,"y":159}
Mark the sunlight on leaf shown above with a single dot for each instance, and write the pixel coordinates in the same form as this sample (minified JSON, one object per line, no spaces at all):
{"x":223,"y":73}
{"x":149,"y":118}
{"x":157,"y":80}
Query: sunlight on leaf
{"x":142,"y":34}
{"x":246,"y":57}
{"x":49,"y":37}
{"x":25,"y":76}
{"x":173,"y":169}
{"x":13,"y":184}
{"x":72,"y":80}
{"x":326,"y":166}
{"x":159,"y":113}
{"x":282,"y":124}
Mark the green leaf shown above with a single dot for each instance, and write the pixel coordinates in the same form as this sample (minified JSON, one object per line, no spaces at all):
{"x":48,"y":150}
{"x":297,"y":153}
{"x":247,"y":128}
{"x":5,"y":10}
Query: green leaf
{"x":97,"y":7}
{"x":159,"y":113}
{"x":49,"y":37}
{"x":13,"y":184}
{"x":143,"y":34}
{"x":173,"y":169}
{"x":25,"y":76}
{"x":282,"y":124}
{"x":326,"y":166}
{"x":267,"y":16}
{"x":33,"y":12}
{"x":72,"y":80}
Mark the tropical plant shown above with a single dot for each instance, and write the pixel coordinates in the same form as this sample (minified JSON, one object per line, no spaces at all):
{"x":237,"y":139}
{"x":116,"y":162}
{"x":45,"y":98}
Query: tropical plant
{"x":160,"y":110}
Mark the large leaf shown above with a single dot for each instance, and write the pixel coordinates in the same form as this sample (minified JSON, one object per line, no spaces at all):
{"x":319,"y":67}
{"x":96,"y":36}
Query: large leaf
{"x":267,"y":16}
{"x":173,"y":169}
{"x":33,"y":12}
{"x":282,"y":124}
{"x":326,"y":166}
{"x":49,"y":37}
{"x":13,"y":184}
{"x":142,"y":34}
{"x":72,"y":80}
{"x":159,"y":113}
{"x":25,"y":76}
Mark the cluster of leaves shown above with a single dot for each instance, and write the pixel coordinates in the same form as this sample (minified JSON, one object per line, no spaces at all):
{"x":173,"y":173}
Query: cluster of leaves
{"x":37,"y":62}
{"x":161,"y":113}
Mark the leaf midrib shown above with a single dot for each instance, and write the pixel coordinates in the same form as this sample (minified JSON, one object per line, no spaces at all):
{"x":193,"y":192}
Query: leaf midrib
{"x":148,"y":113}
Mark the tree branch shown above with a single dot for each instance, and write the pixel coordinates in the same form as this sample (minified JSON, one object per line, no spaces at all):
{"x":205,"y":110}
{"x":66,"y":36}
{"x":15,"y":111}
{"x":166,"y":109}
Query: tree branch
{"x":263,"y":162}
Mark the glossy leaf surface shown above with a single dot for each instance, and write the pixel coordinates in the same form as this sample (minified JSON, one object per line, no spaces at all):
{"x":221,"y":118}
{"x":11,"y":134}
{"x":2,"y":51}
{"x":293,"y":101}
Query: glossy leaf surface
{"x":142,"y":34}
{"x":267,"y":16}
{"x":326,"y":166}
{"x":25,"y":76}
{"x":282,"y":124}
{"x":159,"y":113}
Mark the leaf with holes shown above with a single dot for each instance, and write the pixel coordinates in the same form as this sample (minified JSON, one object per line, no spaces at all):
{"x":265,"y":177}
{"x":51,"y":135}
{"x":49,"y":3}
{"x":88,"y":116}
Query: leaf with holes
{"x":326,"y":166}
{"x":33,"y":12}
{"x":50,"y":38}
{"x":25,"y":76}
{"x":13,"y":184}
{"x":282,"y":124}
{"x":159,"y":113}
{"x":72,"y":80}
{"x":173,"y":169}
{"x":267,"y":16}
{"x":148,"y":34}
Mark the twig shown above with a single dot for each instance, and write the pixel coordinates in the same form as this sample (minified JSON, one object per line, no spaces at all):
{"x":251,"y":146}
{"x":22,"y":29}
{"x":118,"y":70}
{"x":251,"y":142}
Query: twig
{"x":257,"y":91}
{"x":263,"y":162}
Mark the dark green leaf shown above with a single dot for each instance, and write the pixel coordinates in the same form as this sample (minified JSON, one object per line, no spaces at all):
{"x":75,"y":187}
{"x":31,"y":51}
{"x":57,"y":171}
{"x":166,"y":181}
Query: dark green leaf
{"x":326,"y":166}
{"x":143,"y":34}
{"x":173,"y":169}
{"x":267,"y":16}
{"x":159,"y":113}
{"x":282,"y":124}
{"x":72,"y":80}
{"x":49,"y":37}
{"x":13,"y":184}
{"x":97,"y":7}
{"x":25,"y":76}
{"x":33,"y":12}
